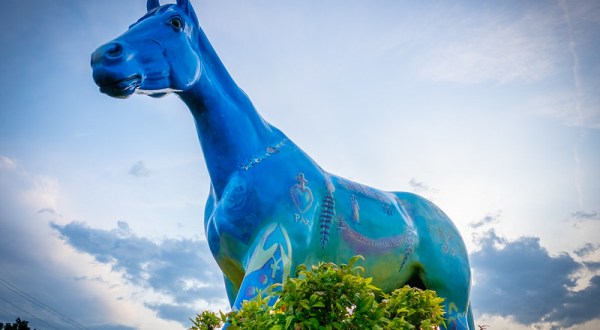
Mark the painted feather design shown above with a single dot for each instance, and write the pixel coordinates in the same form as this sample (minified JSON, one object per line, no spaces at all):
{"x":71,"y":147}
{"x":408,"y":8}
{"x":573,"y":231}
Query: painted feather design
{"x":410,"y":244}
{"x":326,"y":218}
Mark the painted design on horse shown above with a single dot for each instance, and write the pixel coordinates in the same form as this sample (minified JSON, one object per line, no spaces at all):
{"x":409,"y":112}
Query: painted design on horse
{"x":326,"y":217}
{"x":302,"y":197}
{"x":387,"y":209}
{"x":270,"y":262}
{"x":363,"y":190}
{"x":446,"y":244}
{"x":252,"y":165}
{"x":369,"y":246}
{"x":269,"y":151}
{"x":355,"y":209}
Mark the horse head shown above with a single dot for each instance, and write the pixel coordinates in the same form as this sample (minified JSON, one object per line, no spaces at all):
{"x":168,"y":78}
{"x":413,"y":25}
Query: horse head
{"x":157,"y":55}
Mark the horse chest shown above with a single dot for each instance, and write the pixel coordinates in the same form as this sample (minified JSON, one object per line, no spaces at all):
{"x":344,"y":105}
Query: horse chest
{"x":234,"y":214}
{"x":240,"y":211}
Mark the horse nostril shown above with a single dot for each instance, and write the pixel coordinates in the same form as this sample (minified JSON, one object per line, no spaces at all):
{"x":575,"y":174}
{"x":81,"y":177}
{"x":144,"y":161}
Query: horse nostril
{"x":114,"y":50}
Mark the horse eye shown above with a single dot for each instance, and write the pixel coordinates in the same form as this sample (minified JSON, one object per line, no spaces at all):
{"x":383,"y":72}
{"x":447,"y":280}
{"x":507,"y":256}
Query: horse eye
{"x":176,"y":22}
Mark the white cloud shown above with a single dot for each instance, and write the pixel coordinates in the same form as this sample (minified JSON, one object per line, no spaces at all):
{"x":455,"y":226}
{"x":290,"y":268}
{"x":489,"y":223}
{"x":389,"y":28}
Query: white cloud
{"x":179,"y":270}
{"x":490,"y":218}
{"x":139,"y":169}
{"x":420,"y":187}
{"x":496,"y":48}
{"x":7,"y":163}
{"x":34,"y":260}
{"x":585,"y":216}
{"x":573,"y":108}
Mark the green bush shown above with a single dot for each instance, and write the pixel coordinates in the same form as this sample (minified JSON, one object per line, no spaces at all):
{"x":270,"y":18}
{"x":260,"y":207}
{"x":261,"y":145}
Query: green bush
{"x":331,"y":297}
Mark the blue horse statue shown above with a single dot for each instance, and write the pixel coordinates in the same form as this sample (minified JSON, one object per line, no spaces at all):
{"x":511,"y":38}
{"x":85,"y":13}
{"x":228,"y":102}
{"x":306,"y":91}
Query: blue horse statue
{"x":271,"y":207}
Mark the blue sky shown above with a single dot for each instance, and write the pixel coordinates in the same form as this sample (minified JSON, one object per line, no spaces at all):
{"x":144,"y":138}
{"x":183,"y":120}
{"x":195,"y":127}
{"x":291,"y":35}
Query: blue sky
{"x":491,"y":110}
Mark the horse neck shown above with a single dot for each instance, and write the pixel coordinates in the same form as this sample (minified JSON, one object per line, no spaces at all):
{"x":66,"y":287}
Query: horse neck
{"x":229,"y":128}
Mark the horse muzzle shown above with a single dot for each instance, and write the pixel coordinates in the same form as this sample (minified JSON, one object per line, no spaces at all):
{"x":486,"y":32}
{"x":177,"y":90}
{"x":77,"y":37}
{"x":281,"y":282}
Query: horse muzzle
{"x":113,"y":70}
{"x":118,"y":87}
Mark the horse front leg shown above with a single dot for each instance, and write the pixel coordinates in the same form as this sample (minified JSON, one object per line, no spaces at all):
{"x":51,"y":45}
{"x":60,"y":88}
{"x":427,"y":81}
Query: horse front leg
{"x":458,"y":318}
{"x":270,"y":263}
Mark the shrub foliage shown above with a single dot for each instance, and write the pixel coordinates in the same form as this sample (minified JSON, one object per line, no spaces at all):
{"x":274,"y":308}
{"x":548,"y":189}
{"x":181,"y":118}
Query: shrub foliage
{"x":330,"y":297}
{"x":18,"y":325}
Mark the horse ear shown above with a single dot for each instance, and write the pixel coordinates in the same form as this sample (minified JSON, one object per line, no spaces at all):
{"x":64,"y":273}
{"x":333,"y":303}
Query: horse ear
{"x":151,"y":4}
{"x":184,"y":4}
{"x":187,"y":7}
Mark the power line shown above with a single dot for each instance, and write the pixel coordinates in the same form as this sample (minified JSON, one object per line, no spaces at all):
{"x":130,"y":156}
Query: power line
{"x":26,"y":312}
{"x":11,"y":314}
{"x":40,"y":304}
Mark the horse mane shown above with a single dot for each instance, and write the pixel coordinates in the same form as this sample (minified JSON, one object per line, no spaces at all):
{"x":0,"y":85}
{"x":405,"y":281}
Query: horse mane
{"x":210,"y":60}
{"x":213,"y":63}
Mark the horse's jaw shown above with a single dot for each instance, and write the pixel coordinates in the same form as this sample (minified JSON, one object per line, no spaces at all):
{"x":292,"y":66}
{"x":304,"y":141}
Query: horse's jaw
{"x":122,"y":86}
{"x":117,"y":86}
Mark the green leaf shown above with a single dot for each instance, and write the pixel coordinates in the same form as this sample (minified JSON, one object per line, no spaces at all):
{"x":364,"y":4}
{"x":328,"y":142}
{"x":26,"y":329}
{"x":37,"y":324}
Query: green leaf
{"x":288,"y":321}
{"x":318,"y":304}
